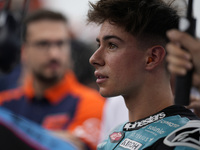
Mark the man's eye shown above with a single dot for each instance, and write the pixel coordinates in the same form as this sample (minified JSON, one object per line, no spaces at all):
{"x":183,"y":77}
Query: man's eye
{"x":60,"y":43}
{"x":42,"y":44}
{"x":112,"y":46}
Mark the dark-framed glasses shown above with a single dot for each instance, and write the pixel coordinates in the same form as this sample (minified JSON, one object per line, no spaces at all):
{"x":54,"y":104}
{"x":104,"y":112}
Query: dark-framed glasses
{"x":46,"y":45}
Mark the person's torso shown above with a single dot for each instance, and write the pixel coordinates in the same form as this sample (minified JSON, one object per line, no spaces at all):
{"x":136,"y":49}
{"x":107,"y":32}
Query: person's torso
{"x":150,"y":132}
{"x":50,"y":116}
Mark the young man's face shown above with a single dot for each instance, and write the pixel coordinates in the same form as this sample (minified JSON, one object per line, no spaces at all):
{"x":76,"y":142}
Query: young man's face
{"x":47,"y":49}
{"x":118,"y":62}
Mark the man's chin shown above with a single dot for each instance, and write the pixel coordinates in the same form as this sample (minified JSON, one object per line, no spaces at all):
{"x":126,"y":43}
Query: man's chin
{"x":49,"y":78}
{"x":105,"y":93}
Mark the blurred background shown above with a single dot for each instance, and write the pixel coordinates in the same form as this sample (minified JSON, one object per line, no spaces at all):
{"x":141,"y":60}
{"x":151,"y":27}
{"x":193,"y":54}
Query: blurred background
{"x":83,"y":46}
{"x":85,"y":34}
{"x":76,"y":11}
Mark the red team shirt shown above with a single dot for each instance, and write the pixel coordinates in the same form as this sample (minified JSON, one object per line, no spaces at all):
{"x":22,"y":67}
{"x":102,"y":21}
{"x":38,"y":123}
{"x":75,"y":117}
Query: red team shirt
{"x":68,"y":105}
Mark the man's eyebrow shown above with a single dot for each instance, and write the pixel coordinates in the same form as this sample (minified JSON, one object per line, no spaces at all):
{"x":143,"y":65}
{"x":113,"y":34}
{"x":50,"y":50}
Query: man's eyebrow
{"x":107,"y":37}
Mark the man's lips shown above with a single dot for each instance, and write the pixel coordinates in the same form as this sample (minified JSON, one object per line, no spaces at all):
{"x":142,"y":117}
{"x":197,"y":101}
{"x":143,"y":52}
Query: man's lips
{"x":100,"y":77}
{"x":53,"y":65}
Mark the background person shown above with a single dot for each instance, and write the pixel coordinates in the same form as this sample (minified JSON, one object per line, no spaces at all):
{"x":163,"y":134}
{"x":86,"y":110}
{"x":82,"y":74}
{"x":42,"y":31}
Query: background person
{"x":16,"y":131}
{"x":51,"y":95}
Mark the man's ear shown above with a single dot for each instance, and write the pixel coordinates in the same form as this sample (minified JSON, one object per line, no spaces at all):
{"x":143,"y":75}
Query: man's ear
{"x":155,"y":57}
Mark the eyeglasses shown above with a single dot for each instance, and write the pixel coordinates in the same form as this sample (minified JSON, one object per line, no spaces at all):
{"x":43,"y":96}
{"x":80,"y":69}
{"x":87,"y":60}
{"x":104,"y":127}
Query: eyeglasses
{"x":45,"y":45}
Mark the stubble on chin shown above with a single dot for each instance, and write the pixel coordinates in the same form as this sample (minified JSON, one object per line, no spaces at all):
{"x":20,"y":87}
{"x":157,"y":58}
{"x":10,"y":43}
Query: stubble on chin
{"x":51,"y":79}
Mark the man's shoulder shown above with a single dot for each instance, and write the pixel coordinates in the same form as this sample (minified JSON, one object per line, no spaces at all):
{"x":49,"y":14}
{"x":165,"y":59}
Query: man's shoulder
{"x":185,"y":137}
{"x":183,"y":130}
{"x":188,"y":135}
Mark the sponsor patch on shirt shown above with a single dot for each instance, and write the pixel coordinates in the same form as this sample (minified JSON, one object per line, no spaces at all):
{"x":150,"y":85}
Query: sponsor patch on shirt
{"x":138,"y":124}
{"x":130,"y":144}
{"x":116,"y":137}
{"x":188,"y":135}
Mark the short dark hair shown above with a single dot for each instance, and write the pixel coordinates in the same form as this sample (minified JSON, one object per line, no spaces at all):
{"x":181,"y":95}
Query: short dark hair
{"x":38,"y":15}
{"x":147,"y":20}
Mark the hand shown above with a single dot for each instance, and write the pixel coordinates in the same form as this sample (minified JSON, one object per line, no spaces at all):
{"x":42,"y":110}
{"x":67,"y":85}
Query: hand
{"x":179,"y":60}
{"x":195,"y":105}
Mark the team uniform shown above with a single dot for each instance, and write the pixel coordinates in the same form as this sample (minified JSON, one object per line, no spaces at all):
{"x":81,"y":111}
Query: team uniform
{"x":68,"y":105}
{"x":173,"y":128}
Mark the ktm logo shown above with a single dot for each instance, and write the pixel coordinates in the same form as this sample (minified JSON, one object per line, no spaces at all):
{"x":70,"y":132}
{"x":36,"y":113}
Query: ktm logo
{"x":188,"y":135}
{"x":56,"y":121}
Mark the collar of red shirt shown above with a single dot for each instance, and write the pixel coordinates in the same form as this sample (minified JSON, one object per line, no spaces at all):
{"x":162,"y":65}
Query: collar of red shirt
{"x":55,"y":93}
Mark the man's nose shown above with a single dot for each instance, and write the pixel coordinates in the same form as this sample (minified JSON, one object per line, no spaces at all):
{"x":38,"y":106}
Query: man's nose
{"x":97,"y":59}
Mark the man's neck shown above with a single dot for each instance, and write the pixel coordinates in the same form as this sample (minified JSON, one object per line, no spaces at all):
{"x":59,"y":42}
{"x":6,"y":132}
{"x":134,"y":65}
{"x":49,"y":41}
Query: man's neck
{"x":40,"y":87}
{"x":148,"y":102}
